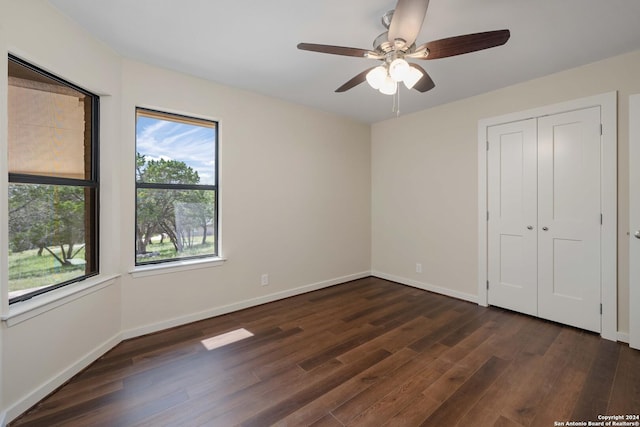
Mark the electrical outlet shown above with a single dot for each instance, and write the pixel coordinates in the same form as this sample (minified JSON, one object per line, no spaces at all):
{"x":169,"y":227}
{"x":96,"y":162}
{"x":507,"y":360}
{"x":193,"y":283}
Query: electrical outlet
{"x":264,"y":279}
{"x":418,"y":267}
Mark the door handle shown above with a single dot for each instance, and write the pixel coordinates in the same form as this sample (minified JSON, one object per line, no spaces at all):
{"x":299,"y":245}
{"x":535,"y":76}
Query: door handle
{"x":637,"y":234}
{"x":546,"y":228}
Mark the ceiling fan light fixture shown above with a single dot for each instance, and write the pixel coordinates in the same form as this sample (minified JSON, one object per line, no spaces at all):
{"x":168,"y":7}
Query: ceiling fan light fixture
{"x":413,"y":76}
{"x":376,"y":77}
{"x":389,"y":86}
{"x":399,"y":69}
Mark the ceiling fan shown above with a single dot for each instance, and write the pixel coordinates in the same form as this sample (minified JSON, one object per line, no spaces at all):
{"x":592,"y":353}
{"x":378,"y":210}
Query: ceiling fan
{"x":396,"y":45}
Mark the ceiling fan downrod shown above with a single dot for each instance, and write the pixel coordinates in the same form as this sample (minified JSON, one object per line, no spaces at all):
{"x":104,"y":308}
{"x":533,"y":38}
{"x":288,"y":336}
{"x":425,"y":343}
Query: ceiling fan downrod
{"x":386,"y":18}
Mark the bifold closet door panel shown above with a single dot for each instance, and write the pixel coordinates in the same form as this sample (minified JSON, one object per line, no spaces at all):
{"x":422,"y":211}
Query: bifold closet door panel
{"x":512,"y":224}
{"x":569,"y":218}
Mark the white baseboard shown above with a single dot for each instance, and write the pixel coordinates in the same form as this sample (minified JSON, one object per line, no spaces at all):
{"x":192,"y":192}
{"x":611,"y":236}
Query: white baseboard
{"x":218,"y":311}
{"x":623,"y":337}
{"x":53,"y":383}
{"x":19,"y":407}
{"x":427,"y":287}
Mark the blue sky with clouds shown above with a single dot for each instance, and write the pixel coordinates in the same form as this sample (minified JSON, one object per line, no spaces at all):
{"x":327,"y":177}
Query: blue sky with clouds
{"x":164,"y":139}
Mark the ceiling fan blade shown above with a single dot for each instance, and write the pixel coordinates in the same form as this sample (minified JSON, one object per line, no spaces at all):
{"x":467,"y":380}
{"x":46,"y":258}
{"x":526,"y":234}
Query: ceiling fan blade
{"x":355,"y":81}
{"x":407,"y":20}
{"x":425,"y":83}
{"x":458,"y":45}
{"x":335,"y":50}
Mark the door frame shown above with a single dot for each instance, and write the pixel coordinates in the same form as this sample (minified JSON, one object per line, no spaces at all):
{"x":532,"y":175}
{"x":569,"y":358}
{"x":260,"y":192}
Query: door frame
{"x":609,"y":201}
{"x":634,"y":212}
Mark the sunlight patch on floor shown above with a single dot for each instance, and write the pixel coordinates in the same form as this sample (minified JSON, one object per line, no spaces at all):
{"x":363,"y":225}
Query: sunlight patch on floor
{"x":226,"y":338}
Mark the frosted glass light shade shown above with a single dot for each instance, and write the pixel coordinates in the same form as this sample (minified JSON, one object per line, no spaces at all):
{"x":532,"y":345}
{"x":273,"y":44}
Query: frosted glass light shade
{"x":376,"y":77}
{"x":412,"y":77}
{"x":398,"y":69}
{"x":389,"y":86}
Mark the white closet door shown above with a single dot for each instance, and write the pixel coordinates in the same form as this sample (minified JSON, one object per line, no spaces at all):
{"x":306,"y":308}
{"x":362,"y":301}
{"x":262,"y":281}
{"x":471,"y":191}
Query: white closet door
{"x":512,"y":226}
{"x":569,"y":218}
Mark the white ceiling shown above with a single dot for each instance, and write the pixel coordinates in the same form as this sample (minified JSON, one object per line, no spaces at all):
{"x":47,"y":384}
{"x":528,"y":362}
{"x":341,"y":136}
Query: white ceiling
{"x":251,"y":44}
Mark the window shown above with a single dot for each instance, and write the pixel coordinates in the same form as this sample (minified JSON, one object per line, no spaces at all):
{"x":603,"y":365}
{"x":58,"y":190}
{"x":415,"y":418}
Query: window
{"x":176,"y":187}
{"x":53,"y":181}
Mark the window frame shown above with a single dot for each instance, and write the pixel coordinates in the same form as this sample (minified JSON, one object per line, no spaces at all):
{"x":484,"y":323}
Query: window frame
{"x":93,"y":182}
{"x":151,"y":112}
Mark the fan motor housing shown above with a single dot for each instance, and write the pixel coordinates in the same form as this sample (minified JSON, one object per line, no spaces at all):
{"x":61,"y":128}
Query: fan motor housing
{"x":382,"y":43}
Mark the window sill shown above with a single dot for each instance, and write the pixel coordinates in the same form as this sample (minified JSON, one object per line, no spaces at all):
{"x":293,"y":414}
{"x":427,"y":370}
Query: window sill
{"x":174,"y":267}
{"x":25,"y":310}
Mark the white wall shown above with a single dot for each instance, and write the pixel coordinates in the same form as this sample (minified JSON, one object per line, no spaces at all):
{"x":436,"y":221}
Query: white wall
{"x":295,"y":203}
{"x":39,"y":354}
{"x":294,"y":197}
{"x":424,"y":178}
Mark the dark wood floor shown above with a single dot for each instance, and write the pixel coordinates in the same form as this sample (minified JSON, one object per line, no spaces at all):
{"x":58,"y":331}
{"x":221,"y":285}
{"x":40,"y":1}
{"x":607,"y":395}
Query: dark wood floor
{"x":369,"y":353}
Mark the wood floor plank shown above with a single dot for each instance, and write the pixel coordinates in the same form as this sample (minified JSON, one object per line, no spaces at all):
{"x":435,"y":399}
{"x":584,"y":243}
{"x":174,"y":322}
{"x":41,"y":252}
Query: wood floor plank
{"x":625,"y":396}
{"x":442,"y":389}
{"x":347,"y":390}
{"x":594,"y":397}
{"x":291,"y":404}
{"x":211,"y":406}
{"x":509,"y":340}
{"x":541,"y":337}
{"x":332,"y":292}
{"x":448,"y":321}
{"x":395,"y":400}
{"x":527,"y":402}
{"x":327,"y":421}
{"x":374,"y":308}
{"x":340,"y":348}
{"x":412,"y":308}
{"x":367,"y":352}
{"x":503,"y":392}
{"x":487,"y":333}
{"x":148,"y":343}
{"x":468,"y":394}
{"x":104,"y":409}
{"x":281,"y":359}
{"x":558,"y":396}
{"x":133,"y":415}
{"x":425,"y":366}
{"x":559,"y":403}
{"x":392,"y":340}
{"x":398,"y":398}
{"x":414,"y":413}
{"x":56,"y":404}
{"x":476,"y":318}
{"x":231,"y":409}
{"x":503,"y":421}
